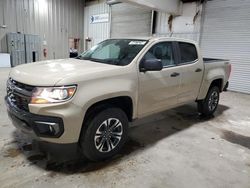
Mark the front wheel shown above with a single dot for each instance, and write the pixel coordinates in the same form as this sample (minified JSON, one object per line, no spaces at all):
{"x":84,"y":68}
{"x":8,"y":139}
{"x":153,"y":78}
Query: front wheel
{"x":105,"y":134}
{"x":208,"y":106}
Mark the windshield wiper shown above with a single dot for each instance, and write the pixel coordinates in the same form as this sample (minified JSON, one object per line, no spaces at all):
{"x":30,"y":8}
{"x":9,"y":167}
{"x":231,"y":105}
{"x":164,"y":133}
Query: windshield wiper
{"x":111,"y":62}
{"x":90,"y":59}
{"x":84,"y":58}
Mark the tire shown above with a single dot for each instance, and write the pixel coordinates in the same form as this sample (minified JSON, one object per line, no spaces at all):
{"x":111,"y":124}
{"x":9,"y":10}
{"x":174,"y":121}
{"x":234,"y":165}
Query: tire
{"x":109,"y":125}
{"x":208,"y":106}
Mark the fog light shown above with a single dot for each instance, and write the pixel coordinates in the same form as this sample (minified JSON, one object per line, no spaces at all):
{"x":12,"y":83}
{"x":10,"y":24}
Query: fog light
{"x":47,"y":128}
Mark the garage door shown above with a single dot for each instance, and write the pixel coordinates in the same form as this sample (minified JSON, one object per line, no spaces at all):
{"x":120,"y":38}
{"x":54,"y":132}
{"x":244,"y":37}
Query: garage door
{"x":226,"y":34}
{"x":130,"y":21}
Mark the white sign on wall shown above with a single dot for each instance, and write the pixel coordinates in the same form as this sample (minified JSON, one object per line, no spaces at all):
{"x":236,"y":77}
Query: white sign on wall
{"x":99,"y":18}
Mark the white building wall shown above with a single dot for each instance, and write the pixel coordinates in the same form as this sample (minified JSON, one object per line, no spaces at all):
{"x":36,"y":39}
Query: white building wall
{"x":171,"y":6}
{"x":187,"y":25}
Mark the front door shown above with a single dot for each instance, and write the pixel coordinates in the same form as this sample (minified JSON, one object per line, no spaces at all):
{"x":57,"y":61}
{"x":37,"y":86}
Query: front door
{"x":158,"y":90}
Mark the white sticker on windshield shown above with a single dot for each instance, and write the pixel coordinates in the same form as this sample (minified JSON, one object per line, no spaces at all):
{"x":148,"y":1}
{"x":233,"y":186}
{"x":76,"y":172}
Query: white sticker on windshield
{"x":137,"y":42}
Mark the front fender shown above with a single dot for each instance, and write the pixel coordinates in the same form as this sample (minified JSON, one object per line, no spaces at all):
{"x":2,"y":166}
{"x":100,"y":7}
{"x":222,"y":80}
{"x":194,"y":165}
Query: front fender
{"x":91,"y":92}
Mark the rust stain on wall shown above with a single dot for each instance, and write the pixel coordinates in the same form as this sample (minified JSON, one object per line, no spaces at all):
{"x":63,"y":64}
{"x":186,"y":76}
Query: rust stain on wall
{"x":196,"y":16}
{"x":170,"y":22}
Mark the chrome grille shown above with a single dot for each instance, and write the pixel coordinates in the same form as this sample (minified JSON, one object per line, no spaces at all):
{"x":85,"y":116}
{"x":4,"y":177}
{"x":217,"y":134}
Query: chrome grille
{"x":19,"y":94}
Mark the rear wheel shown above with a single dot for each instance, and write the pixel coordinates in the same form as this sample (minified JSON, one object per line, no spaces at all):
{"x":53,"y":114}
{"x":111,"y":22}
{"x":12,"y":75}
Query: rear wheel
{"x":105,"y":134}
{"x":208,"y":106}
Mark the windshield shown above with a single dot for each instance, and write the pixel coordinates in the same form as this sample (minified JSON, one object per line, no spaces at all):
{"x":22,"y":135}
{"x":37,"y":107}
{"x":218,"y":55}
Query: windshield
{"x":114,"y":51}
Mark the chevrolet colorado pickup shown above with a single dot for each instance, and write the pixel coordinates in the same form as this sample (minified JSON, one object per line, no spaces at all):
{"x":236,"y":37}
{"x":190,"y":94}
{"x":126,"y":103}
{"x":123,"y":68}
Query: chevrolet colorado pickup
{"x":91,"y":99}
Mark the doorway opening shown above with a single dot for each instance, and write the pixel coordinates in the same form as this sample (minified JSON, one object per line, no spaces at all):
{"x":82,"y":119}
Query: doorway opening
{"x":74,"y":47}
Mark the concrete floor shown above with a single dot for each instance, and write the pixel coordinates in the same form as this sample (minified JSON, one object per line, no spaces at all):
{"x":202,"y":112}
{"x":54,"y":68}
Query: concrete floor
{"x":172,"y":149}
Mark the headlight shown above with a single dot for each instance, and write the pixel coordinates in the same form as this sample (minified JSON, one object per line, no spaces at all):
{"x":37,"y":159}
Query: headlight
{"x":46,"y":95}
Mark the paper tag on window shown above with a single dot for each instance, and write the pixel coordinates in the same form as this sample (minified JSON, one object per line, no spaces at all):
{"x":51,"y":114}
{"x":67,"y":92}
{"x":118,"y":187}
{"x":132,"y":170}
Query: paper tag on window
{"x":137,"y":43}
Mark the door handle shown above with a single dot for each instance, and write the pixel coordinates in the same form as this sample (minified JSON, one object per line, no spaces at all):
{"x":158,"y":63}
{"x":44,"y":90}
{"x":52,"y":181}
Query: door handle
{"x":175,"y":74}
{"x":198,"y":70}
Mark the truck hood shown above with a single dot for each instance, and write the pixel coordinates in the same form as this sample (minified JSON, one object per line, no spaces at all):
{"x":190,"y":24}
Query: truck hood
{"x":48,"y":73}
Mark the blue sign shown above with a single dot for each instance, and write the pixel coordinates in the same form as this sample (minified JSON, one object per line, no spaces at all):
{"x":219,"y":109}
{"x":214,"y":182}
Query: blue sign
{"x":100,"y":18}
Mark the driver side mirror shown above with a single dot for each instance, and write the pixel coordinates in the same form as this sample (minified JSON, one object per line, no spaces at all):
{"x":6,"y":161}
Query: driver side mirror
{"x":151,"y":65}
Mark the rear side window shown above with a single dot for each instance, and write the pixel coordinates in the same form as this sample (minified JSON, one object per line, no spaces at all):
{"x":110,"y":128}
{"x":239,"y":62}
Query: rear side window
{"x":188,"y":52}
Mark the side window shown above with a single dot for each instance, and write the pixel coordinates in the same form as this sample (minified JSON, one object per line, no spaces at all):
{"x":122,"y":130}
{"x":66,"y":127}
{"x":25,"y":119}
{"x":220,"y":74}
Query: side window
{"x":162,"y":51}
{"x":188,"y":52}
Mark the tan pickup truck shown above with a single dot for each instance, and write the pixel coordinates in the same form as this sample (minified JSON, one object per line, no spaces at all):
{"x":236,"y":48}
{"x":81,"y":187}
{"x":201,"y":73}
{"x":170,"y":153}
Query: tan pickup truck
{"x":91,"y":99}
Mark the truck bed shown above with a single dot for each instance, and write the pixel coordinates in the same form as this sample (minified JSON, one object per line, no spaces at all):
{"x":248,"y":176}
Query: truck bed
{"x":212,"y":60}
{"x":214,"y":68}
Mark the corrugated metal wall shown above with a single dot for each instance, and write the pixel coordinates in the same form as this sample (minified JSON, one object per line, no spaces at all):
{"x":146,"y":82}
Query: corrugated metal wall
{"x":96,"y":31}
{"x":226,"y":35}
{"x":53,"y":20}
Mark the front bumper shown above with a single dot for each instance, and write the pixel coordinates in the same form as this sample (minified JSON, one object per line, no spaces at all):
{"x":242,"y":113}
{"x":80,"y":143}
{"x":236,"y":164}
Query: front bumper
{"x":33,"y":124}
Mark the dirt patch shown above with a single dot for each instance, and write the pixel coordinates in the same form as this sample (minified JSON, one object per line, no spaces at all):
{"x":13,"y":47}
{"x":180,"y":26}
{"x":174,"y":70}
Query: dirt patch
{"x":10,"y":143}
{"x":131,"y":146}
{"x":188,"y":116}
{"x":27,"y":147}
{"x":236,"y":138}
{"x":176,"y":128}
{"x":12,"y":152}
{"x":52,"y":174}
{"x":37,"y":157}
{"x":84,"y":166}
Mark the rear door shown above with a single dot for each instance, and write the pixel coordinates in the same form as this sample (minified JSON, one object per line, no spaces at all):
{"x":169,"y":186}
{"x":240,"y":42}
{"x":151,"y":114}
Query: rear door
{"x":191,"y":69}
{"x":158,"y":90}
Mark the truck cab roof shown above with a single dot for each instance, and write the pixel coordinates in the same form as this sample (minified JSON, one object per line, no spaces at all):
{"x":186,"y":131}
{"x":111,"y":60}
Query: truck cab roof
{"x":156,"y":38}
